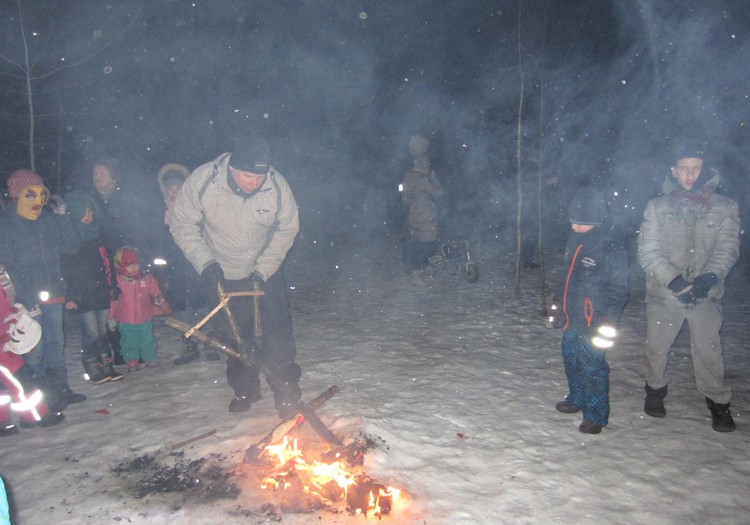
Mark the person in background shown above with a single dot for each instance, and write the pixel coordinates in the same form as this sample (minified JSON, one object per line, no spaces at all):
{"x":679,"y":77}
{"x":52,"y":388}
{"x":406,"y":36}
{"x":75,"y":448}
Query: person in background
{"x":182,"y":286}
{"x":118,"y":214}
{"x":33,"y":240}
{"x":235,"y":219}
{"x":127,"y":212}
{"x":91,"y":288}
{"x":133,"y":310}
{"x":19,"y":334}
{"x":420,"y":187}
{"x":117,"y":209}
{"x":689,"y":241}
{"x":591,"y":300}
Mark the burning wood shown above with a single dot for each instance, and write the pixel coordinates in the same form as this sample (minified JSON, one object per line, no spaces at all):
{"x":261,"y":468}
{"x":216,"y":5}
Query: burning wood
{"x":253,"y":454}
{"x":303,"y":484}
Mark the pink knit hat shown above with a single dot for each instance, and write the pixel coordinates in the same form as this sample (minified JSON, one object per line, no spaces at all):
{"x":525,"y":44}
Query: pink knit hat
{"x":20,"y":179}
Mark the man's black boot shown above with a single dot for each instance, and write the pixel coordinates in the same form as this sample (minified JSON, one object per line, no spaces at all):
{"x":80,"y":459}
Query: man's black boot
{"x":721,"y":417}
{"x":654,"y":405}
{"x":190,"y":353}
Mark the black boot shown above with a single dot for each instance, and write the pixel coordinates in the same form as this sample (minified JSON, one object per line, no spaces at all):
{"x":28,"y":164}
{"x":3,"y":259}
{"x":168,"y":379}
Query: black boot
{"x":106,"y":361}
{"x":67,"y":396}
{"x":191,"y":353}
{"x":94,"y":372}
{"x":242,"y":402}
{"x":71,"y":397}
{"x":654,"y":405}
{"x":721,"y":417}
{"x":53,"y":394}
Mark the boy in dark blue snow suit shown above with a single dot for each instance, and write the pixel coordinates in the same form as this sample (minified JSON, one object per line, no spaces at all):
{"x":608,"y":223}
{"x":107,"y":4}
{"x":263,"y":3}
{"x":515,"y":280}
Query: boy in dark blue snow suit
{"x":594,"y":292}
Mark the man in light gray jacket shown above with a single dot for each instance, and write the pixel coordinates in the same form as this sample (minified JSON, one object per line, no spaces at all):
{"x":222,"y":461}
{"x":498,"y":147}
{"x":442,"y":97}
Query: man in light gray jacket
{"x":689,"y":240}
{"x":235,"y":219}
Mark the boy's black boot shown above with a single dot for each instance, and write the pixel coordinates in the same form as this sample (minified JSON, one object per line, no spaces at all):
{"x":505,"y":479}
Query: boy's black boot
{"x":94,"y":372}
{"x":721,"y":417}
{"x":654,"y":405}
{"x":106,"y":362}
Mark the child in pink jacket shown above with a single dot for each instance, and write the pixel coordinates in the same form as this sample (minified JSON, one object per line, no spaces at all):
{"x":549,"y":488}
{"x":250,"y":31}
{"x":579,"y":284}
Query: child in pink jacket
{"x":133,"y":310}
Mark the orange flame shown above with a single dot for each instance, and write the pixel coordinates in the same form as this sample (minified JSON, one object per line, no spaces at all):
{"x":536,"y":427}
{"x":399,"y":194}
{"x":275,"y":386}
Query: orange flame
{"x":317,"y":478}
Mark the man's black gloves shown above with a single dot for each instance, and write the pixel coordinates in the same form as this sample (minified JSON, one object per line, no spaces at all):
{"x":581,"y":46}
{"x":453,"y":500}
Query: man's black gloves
{"x":679,"y":285}
{"x":213,"y":275}
{"x":690,"y":293}
{"x":255,"y":277}
{"x":682,"y":290}
{"x":703,"y":283}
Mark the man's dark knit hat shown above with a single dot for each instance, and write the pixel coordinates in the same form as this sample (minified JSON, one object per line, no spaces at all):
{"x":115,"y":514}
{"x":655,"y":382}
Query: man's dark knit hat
{"x":588,"y":207}
{"x":690,"y":148}
{"x":252,"y":154}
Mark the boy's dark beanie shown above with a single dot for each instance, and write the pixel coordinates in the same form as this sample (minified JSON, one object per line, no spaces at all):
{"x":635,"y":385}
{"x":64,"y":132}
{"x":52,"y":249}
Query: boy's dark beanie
{"x":588,"y":207}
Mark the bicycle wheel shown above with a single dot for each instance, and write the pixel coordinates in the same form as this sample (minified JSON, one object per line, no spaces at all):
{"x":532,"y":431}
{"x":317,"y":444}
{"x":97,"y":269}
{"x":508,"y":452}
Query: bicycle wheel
{"x":471,"y":272}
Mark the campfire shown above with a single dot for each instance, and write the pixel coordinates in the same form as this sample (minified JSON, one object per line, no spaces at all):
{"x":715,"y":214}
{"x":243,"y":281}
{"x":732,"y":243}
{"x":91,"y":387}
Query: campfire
{"x":304,"y":484}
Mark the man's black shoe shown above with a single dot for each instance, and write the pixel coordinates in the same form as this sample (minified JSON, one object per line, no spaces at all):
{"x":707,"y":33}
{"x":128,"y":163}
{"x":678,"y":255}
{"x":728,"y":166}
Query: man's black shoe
{"x":242,"y":403}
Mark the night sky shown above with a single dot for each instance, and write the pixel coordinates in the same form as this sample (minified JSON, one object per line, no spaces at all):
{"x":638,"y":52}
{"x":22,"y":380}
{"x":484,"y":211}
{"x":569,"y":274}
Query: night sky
{"x":339,"y":86}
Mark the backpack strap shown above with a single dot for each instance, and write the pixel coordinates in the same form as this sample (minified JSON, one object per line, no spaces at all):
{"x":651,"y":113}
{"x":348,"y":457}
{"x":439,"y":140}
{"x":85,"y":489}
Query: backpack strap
{"x":212,"y":177}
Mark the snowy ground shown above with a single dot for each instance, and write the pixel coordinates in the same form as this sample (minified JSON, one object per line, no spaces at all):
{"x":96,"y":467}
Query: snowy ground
{"x":457,"y":383}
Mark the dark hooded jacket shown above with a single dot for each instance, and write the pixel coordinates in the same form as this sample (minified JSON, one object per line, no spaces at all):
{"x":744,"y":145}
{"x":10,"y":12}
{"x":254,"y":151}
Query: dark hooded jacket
{"x":88,"y":272}
{"x":31,"y":251}
{"x":595,"y":285}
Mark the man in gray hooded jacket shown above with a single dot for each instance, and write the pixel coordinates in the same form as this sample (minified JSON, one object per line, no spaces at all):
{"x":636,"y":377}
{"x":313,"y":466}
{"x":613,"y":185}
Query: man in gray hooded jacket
{"x":235,"y":219}
{"x":689,"y":240}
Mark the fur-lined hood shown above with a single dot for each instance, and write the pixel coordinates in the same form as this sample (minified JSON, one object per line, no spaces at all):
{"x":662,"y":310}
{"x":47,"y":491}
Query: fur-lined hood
{"x":166,"y":169}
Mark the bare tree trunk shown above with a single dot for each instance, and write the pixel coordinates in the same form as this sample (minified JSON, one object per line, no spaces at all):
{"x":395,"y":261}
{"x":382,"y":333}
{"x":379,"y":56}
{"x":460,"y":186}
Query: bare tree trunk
{"x":29,"y":91}
{"x":519,"y":165}
{"x":58,"y":162}
{"x":540,"y":204}
{"x":519,"y":190}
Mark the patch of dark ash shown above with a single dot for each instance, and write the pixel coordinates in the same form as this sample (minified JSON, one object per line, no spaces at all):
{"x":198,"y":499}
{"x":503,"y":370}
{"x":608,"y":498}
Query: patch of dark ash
{"x":202,"y":479}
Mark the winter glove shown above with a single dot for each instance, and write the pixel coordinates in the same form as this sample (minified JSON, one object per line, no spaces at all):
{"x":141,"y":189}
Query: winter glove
{"x":213,"y":275}
{"x":702,"y":284}
{"x":111,"y":325}
{"x":255,"y":277}
{"x":603,"y":337}
{"x":57,"y":204}
{"x":682,"y":290}
{"x":556,"y":318}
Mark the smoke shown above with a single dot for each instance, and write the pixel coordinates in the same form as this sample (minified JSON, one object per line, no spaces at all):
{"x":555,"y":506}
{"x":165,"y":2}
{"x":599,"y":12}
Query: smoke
{"x":339,"y":89}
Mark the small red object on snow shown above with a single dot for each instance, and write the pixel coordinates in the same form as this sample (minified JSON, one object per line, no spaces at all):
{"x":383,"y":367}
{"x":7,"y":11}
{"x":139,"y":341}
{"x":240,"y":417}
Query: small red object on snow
{"x":102,"y":411}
